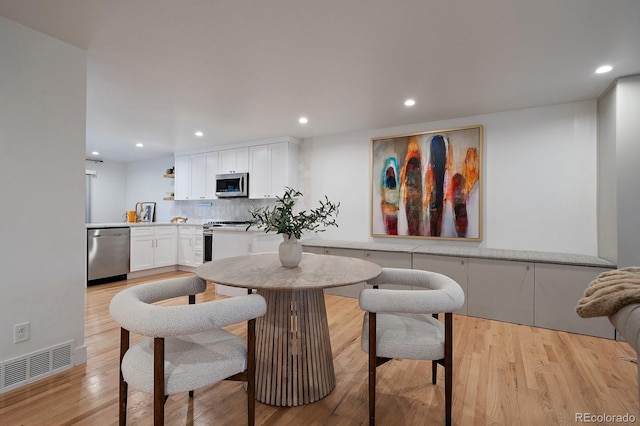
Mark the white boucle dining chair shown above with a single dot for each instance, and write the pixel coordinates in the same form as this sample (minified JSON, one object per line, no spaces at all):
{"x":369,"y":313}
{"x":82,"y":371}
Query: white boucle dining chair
{"x":403,"y":324}
{"x":186,"y":347}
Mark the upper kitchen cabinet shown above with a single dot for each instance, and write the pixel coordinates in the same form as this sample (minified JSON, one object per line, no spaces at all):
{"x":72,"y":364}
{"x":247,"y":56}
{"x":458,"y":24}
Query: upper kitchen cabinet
{"x":195,"y":176}
{"x":211,"y":170}
{"x":272,"y":167}
{"x":198,"y":174}
{"x":234,"y":160}
{"x":182,"y":177}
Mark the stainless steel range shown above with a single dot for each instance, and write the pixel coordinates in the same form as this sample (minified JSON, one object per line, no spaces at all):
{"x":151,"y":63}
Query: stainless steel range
{"x":207,"y":232}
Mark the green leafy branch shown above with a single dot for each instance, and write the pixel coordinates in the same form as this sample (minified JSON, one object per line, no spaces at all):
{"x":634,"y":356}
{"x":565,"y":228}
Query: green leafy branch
{"x":281,"y":218}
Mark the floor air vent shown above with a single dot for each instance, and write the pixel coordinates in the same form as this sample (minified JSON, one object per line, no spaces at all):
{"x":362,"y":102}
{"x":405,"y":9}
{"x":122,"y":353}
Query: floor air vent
{"x":36,"y":365}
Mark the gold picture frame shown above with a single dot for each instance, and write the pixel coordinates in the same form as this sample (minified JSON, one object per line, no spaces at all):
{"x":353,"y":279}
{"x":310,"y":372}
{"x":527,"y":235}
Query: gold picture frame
{"x":428,"y":185}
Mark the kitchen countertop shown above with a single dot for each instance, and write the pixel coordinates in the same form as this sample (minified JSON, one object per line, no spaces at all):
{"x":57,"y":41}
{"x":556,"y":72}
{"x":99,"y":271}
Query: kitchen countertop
{"x":133,"y":224}
{"x":226,"y":228}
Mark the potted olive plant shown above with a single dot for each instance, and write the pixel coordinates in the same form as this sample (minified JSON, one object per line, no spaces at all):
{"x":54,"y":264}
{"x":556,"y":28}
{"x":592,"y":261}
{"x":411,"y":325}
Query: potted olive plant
{"x":282,"y":220}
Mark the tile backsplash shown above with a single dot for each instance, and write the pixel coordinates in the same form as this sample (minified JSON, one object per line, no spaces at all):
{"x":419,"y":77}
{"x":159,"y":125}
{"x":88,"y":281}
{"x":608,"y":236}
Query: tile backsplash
{"x":229,"y":209}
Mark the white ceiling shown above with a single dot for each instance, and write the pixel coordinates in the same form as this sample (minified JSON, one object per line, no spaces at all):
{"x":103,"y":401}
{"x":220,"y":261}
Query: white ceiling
{"x":245,"y":70}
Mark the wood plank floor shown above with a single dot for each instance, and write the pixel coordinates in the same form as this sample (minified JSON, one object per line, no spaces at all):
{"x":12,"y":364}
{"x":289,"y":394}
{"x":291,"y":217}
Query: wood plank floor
{"x":505,"y":374}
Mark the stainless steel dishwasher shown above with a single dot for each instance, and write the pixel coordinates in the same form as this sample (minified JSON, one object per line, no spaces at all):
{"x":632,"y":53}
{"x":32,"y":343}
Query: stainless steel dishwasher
{"x":107,"y":255}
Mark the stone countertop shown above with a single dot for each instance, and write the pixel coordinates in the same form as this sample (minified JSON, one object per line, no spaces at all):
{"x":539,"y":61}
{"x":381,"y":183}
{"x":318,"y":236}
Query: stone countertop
{"x":472,"y":252}
{"x":133,"y":224}
{"x":226,"y":228}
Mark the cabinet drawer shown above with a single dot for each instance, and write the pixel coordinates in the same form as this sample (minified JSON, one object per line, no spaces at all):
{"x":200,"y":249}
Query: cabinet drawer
{"x":189,"y":230}
{"x":165,"y":230}
{"x":141,"y":232}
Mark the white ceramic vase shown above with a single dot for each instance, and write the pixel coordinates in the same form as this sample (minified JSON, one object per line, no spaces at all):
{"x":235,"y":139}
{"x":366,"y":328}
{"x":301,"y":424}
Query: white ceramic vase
{"x":290,"y":251}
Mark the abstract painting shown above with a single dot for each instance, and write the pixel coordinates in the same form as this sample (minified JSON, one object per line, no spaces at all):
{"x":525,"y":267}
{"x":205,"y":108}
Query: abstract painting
{"x":428,"y":184}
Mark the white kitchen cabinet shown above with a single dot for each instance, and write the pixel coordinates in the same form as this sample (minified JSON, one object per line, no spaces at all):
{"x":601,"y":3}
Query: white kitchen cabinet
{"x":198,"y":172}
{"x":453,"y":267}
{"x":211,"y":165}
{"x":141,"y":249}
{"x":190,"y":246}
{"x":195,"y":176}
{"x":182,"y":177}
{"x":558,"y":290}
{"x":272,"y":167}
{"x":501,"y":290}
{"x":235,"y":160}
{"x":152,"y":247}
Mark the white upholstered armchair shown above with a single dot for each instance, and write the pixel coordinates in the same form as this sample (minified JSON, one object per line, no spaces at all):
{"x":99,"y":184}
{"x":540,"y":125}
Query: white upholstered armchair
{"x":404,"y":324}
{"x":186,"y":346}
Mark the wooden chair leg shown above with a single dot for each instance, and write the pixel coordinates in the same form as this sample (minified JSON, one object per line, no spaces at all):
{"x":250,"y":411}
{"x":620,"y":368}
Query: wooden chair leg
{"x":448,"y":365}
{"x":434,"y":363}
{"x":251,"y":372}
{"x":434,"y":372}
{"x":122,"y":399}
{"x":372,"y":368}
{"x":158,"y":381}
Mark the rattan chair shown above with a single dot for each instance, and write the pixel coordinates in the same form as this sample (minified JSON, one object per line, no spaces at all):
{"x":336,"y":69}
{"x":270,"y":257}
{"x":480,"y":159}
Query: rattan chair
{"x":403,"y":324}
{"x":186,"y":347}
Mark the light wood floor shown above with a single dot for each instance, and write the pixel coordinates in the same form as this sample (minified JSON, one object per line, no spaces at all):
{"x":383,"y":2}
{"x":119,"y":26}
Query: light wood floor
{"x":504,"y":374}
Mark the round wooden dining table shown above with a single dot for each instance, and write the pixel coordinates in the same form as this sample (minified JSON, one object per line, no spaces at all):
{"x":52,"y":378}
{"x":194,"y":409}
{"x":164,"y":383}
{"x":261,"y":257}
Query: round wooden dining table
{"x":293,"y":349}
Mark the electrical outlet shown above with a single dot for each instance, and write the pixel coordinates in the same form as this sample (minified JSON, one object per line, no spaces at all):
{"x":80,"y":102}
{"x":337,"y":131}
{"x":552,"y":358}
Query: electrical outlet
{"x":21,"y":332}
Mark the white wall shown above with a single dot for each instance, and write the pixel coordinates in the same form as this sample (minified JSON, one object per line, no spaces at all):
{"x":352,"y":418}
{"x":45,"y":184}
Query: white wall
{"x":628,"y":170}
{"x":539,"y":178}
{"x":146,"y":184}
{"x":108,"y":192}
{"x":42,"y":145}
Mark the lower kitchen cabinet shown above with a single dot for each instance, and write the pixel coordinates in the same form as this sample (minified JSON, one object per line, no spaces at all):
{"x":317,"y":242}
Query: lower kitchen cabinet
{"x":558,"y":290}
{"x":501,"y":290}
{"x":152,"y":247}
{"x":190,"y":242}
{"x":453,"y":267}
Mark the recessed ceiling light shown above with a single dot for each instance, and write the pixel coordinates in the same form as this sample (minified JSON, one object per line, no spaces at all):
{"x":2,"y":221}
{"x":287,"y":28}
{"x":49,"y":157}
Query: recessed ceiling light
{"x":139,"y":145}
{"x":603,"y":69}
{"x":95,"y":153}
{"x":303,"y":120}
{"x":199,"y":134}
{"x":409,"y":102}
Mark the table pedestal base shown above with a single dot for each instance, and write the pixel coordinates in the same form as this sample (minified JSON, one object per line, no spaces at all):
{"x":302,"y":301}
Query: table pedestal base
{"x":293,"y":349}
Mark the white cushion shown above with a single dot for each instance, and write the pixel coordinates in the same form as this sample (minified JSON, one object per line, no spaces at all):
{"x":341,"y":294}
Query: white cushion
{"x":191,"y":362}
{"x":404,"y":325}
{"x":409,"y":336}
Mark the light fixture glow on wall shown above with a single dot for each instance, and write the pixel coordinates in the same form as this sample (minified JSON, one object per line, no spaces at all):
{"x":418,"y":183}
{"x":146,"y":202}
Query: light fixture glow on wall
{"x":199,"y":134}
{"x":95,"y":153}
{"x":409,"y":102}
{"x":139,"y":145}
{"x":303,"y":120}
{"x":604,"y":69}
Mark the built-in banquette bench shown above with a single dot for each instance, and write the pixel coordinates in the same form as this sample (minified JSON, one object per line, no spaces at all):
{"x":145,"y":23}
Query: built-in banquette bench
{"x":524,"y":287}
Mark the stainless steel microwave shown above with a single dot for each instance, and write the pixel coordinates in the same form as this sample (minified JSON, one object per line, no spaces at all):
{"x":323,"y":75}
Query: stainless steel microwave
{"x":232,"y":185}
